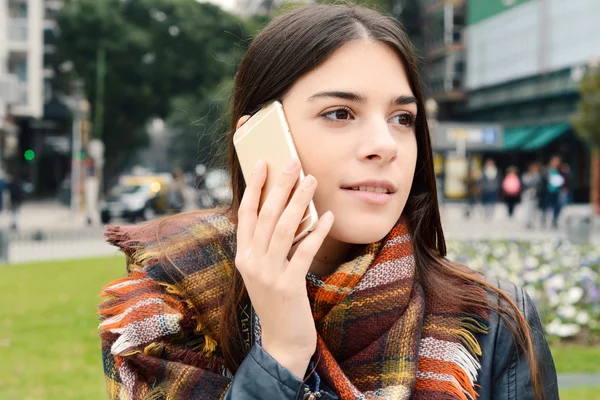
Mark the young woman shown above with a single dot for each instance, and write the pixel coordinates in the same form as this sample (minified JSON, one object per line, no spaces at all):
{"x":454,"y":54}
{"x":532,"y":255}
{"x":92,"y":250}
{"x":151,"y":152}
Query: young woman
{"x":221,"y":305}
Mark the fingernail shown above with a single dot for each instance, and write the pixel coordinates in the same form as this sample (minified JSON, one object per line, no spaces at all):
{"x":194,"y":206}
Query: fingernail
{"x":307,"y":182}
{"x":291,"y":166}
{"x":328,"y":217}
{"x":258,"y":165}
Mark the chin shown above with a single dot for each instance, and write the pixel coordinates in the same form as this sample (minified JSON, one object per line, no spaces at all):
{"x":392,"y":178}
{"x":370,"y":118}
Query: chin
{"x":362,"y":231}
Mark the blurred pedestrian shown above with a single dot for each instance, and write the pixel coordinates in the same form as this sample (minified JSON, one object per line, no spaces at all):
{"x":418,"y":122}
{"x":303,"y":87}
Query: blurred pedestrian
{"x":529,"y":196}
{"x":15,"y":189}
{"x":490,"y":185}
{"x":473,"y":191}
{"x":511,"y":189}
{"x":564,"y":196}
{"x":554,"y":182}
{"x":175,"y":194}
{"x":2,"y":187}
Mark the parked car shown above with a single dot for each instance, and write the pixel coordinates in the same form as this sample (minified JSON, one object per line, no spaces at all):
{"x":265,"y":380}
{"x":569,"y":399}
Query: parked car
{"x":136,"y":198}
{"x":214,"y":189}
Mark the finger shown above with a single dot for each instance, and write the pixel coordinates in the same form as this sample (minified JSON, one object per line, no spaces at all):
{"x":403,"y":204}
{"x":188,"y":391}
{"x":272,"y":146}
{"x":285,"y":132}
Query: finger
{"x":248,"y":210}
{"x":285,"y":230}
{"x":305,"y":253}
{"x":273,"y":207}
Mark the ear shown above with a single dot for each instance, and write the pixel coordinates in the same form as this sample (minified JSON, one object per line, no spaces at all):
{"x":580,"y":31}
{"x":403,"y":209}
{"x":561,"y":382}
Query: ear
{"x":242,"y":121}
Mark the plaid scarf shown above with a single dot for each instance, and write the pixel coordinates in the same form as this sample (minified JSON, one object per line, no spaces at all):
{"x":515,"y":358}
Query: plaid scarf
{"x":379,"y":335}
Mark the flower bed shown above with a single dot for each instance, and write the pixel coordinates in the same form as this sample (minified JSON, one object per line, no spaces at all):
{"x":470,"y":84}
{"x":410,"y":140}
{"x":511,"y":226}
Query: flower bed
{"x":563,"y":280}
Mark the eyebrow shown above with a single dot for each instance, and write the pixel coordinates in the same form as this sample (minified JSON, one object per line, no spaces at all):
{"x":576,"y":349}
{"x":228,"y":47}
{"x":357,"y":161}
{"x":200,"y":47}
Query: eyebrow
{"x":359,"y":98}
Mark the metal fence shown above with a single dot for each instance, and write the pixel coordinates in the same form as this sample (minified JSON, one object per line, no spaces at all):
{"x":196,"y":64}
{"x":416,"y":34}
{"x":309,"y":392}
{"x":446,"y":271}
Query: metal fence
{"x":47,"y":244}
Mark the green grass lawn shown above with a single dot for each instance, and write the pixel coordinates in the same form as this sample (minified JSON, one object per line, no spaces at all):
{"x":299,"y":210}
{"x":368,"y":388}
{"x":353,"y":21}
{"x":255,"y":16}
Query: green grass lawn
{"x":580,"y":394}
{"x":574,"y":359}
{"x":50,"y":350}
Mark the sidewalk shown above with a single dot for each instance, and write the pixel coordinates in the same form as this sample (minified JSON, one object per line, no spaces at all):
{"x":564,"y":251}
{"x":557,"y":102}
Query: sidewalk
{"x":51,"y":215}
{"x":566,"y":381}
{"x":44,"y":215}
{"x":456,"y":226}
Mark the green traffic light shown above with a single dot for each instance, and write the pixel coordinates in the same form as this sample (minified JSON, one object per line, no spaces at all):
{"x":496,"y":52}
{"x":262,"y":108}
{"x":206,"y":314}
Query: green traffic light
{"x":29,"y":155}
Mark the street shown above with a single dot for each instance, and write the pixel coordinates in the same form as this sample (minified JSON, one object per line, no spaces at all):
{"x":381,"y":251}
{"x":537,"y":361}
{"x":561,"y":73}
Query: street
{"x":48,"y":230}
{"x":456,"y":226}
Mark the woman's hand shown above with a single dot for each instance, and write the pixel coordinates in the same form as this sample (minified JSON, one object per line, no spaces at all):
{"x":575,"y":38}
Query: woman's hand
{"x":276,"y":286}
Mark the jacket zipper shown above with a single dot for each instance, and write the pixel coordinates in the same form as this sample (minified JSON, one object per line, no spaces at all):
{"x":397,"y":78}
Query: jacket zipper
{"x":308,"y":395}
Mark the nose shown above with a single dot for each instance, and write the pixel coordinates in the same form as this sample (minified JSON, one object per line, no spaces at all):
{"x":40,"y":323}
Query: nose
{"x":378,"y":144}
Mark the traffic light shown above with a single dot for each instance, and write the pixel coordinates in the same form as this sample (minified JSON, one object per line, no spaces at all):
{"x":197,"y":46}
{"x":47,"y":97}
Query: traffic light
{"x":29,"y":155}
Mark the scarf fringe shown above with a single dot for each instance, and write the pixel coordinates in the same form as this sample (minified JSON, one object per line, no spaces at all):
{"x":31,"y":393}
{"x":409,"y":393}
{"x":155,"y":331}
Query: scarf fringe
{"x":210,"y":344}
{"x":467,"y":362}
{"x":135,"y":318}
{"x":155,"y":350}
{"x":469,"y":327}
{"x":158,"y":393}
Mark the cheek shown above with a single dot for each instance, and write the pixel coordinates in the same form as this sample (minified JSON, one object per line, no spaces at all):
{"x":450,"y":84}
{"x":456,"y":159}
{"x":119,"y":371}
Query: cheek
{"x":411,"y":157}
{"x":318,"y":154}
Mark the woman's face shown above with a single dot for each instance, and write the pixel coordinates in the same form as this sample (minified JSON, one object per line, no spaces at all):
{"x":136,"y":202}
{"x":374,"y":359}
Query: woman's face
{"x":352,"y":120}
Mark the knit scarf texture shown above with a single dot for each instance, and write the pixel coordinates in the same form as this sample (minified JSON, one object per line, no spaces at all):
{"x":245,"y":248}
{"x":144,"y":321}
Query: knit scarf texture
{"x":379,"y":335}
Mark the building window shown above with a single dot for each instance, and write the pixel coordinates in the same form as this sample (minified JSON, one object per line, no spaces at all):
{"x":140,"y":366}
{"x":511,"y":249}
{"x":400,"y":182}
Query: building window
{"x":18,"y":9}
{"x":18,"y":67}
{"x":51,"y":13}
{"x":47,"y":90}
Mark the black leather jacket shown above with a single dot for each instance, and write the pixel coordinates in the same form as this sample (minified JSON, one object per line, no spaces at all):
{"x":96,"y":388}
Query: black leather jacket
{"x":504,"y":371}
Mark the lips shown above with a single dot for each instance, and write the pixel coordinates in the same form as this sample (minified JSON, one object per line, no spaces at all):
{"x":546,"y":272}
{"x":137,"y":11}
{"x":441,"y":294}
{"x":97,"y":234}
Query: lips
{"x":371,"y":192}
{"x":373,"y":189}
{"x":374,"y":186}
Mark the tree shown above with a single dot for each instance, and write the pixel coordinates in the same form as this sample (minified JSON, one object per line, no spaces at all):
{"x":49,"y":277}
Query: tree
{"x":587,"y":117}
{"x":156,"y":50}
{"x":200,"y":120}
{"x":200,"y":123}
{"x":587,"y":125}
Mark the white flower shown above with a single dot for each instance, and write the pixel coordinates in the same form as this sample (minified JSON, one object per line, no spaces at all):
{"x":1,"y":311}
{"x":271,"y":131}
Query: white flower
{"x":530,"y":289}
{"x":515,"y":278}
{"x":532,"y":262}
{"x":553,"y":327}
{"x":544,"y":270}
{"x":499,"y":251}
{"x":476,"y":264}
{"x":568,"y":330}
{"x":574,"y":295}
{"x":536,"y":249}
{"x":531,"y":276}
{"x":586,"y":272}
{"x":557,"y":282}
{"x":567,"y":311}
{"x":553,"y":299}
{"x":582,"y":318}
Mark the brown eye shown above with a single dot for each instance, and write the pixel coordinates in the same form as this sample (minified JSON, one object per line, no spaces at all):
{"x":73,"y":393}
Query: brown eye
{"x":404,"y":119}
{"x":341,"y":114}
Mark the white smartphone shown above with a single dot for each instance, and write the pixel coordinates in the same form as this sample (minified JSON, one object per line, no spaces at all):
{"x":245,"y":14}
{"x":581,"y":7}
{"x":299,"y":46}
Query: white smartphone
{"x":266,"y":136}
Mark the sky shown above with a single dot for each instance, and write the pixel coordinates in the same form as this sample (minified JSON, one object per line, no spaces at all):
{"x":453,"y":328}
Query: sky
{"x":228,"y":5}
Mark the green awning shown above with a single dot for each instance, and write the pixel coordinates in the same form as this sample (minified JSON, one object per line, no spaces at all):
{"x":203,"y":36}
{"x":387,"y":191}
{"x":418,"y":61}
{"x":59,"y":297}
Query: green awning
{"x":546,"y":134}
{"x":517,"y":137}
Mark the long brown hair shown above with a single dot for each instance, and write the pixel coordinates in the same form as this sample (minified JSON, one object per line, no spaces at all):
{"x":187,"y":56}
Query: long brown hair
{"x":289,"y":47}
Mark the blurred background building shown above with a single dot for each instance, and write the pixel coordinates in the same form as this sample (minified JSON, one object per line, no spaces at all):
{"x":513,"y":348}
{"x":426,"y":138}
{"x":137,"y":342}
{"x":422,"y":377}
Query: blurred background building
{"x":524,"y":61}
{"x":27,"y":36}
{"x":444,"y":54}
{"x":504,"y":76}
{"x":20,"y":74}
